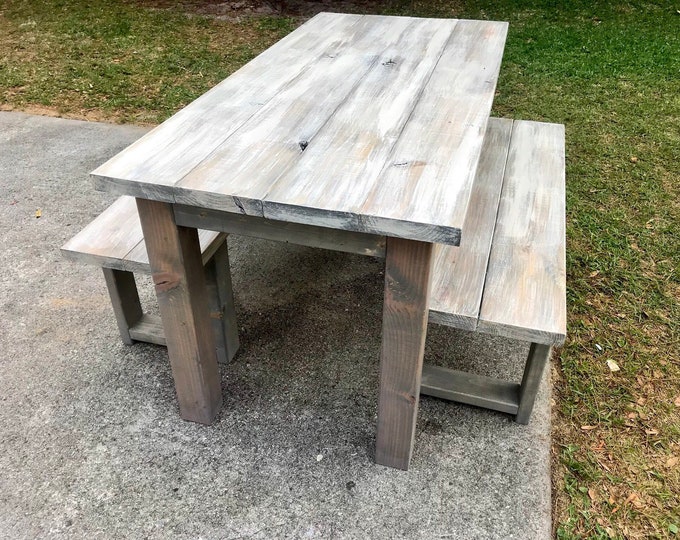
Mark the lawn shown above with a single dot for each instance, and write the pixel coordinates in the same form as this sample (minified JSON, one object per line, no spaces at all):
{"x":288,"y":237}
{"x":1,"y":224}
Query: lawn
{"x":609,"y":71}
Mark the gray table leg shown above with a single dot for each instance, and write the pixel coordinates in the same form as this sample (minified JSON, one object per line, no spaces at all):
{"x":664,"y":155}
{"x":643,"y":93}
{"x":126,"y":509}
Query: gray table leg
{"x":408,"y":266}
{"x":179,"y":279}
{"x":538,"y":358}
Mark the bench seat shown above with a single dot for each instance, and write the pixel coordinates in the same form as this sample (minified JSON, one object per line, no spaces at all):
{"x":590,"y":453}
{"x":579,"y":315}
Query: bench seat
{"x":508,"y":277}
{"x":115,"y":242}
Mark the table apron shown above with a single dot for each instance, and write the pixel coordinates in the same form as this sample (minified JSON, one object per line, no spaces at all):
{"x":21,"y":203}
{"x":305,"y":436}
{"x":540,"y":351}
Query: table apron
{"x":269,"y":229}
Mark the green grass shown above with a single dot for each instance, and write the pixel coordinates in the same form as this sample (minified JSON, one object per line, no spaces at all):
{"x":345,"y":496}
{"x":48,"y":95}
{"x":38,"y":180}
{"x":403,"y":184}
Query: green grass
{"x":117,"y":59}
{"x":610,"y":71}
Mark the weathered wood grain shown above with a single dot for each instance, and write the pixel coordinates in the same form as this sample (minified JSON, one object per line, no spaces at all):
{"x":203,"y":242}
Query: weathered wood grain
{"x":332,"y":178}
{"x":459,"y":273}
{"x":178,"y":276}
{"x":364,"y":123}
{"x":238,"y":175}
{"x":114,"y":239}
{"x":153,"y":164}
{"x":108,"y":238}
{"x":428,"y":176}
{"x":408,"y":266}
{"x":525,"y":291}
{"x":281,"y":231}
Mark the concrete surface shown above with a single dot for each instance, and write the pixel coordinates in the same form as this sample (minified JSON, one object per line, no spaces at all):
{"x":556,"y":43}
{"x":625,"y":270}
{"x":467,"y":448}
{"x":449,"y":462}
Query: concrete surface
{"x":91,"y":444}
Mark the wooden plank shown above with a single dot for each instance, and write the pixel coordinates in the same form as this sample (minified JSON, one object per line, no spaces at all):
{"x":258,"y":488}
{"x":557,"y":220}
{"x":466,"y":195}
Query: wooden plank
{"x":459,"y":272}
{"x":238,"y":174}
{"x":281,"y":231}
{"x":470,"y":388}
{"x":108,"y":239}
{"x":399,"y":156}
{"x":408,"y":266}
{"x":149,"y":167}
{"x":178,"y":276}
{"x":149,"y":329}
{"x":525,"y":292}
{"x":124,"y":301}
{"x":114,"y":239}
{"x":429,"y":175}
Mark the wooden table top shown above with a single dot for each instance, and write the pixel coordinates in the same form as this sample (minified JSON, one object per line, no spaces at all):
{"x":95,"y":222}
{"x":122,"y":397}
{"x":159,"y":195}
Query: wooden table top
{"x":356,"y":122}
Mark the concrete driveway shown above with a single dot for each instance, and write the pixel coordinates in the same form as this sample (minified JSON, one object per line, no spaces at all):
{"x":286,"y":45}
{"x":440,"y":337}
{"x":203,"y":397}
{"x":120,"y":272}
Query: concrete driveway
{"x":91,"y":443}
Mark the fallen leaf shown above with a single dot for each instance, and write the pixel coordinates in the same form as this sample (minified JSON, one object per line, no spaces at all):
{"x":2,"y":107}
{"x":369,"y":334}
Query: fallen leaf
{"x":631,"y":415}
{"x":672,"y":461}
{"x":641,"y":401}
{"x":38,"y":213}
{"x":632,"y":497}
{"x":651,"y":432}
{"x":588,"y":428}
{"x":633,"y":159}
{"x":593,"y":274}
{"x":604,"y":467}
{"x":592,"y":494}
{"x":613,"y":366}
{"x":676,"y":401}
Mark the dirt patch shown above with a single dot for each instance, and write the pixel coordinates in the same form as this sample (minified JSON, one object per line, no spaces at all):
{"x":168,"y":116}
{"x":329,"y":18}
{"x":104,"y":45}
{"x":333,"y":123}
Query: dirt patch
{"x":91,"y":115}
{"x":238,"y":9}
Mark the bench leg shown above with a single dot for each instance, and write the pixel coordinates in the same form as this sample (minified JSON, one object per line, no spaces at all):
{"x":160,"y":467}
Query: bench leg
{"x":221,"y":304}
{"x":538,"y":358}
{"x":179,"y":279}
{"x":124,"y":300}
{"x":408,"y":265}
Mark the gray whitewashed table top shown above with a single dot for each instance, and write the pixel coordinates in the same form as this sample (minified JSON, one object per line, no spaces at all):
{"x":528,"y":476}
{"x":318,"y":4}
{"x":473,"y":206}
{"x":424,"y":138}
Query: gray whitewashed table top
{"x":356,"y":122}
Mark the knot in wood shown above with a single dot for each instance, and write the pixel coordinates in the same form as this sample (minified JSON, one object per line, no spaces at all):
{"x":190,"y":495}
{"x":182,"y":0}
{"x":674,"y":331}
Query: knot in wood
{"x":303,"y":145}
{"x":166,"y":281}
{"x":389,"y":63}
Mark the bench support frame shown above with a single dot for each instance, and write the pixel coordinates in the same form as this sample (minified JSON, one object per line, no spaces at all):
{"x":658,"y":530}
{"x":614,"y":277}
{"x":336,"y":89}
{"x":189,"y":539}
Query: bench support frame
{"x":135,"y":325}
{"x":487,"y":392}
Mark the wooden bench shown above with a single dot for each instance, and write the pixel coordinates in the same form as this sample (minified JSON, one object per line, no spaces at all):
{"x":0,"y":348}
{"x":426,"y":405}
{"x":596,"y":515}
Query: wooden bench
{"x":507,"y":277}
{"x":114,"y":241}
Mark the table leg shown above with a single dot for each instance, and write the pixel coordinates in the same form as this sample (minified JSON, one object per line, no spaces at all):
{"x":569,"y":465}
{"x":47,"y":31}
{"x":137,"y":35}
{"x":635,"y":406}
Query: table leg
{"x":408,"y":265}
{"x":177,"y":272}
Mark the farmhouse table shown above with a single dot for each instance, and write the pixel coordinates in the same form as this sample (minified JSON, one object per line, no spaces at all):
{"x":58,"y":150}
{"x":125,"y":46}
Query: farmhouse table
{"x":354,"y":132}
